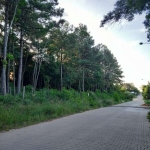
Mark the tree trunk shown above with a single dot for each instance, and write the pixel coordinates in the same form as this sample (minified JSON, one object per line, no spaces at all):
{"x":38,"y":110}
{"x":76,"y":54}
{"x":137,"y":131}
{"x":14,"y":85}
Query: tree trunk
{"x":14,"y":72}
{"x":8,"y":75}
{"x":23,"y":70}
{"x":14,"y":77}
{"x":6,"y":35}
{"x":20,"y":62}
{"x":61,"y":78}
{"x":36,"y":73}
{"x":83,"y":74}
{"x":3,"y":76}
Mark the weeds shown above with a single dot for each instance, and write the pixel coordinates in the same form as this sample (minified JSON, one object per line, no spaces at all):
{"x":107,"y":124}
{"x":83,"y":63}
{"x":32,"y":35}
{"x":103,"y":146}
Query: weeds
{"x":45,"y":105}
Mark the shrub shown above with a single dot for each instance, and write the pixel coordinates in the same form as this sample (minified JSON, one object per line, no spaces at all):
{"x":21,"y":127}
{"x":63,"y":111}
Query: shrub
{"x":146,"y":92}
{"x":107,"y":102}
{"x":28,"y":88}
{"x":116,"y":97}
{"x":46,"y":104}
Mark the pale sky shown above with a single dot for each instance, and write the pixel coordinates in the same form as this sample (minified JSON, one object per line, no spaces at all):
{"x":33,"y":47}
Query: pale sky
{"x":122,"y":39}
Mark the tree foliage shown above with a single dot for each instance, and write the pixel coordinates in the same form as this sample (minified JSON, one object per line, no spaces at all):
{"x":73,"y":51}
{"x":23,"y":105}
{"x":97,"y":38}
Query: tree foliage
{"x":46,"y":51}
{"x":146,"y":92}
{"x":127,"y":9}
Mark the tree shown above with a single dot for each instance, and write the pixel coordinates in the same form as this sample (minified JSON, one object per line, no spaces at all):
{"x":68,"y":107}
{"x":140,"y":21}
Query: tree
{"x":146,"y":92}
{"x":9,"y":6}
{"x":130,"y":87}
{"x":36,"y":15}
{"x":127,"y":9}
{"x":110,"y":71}
{"x":85,"y":43}
{"x":61,"y":44}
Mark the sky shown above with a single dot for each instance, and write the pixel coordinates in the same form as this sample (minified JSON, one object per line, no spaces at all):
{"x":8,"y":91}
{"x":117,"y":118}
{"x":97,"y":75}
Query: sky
{"x":122,"y":39}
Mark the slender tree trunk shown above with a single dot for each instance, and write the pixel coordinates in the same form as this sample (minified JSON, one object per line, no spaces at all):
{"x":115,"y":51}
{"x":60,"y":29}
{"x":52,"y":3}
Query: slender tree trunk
{"x":6,"y":35}
{"x":24,"y":68}
{"x":3,"y":76}
{"x":20,"y":62}
{"x":8,"y":74}
{"x":14,"y":77}
{"x":14,"y":72}
{"x":36,"y":72}
{"x":83,"y":74}
{"x":61,"y":78}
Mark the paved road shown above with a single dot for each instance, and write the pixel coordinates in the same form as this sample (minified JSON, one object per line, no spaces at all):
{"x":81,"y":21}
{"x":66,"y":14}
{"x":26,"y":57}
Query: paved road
{"x":122,"y":127}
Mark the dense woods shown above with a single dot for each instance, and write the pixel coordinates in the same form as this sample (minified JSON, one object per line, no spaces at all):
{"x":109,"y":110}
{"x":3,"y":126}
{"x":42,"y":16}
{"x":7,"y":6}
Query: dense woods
{"x":39,"y":48}
{"x":49,"y":68}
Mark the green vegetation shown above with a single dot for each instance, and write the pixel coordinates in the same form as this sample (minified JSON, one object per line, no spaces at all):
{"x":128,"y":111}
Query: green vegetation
{"x":146,"y":97}
{"x":45,"y":52}
{"x":146,"y":94}
{"x":128,"y":9}
{"x":49,"y":104}
{"x":49,"y":52}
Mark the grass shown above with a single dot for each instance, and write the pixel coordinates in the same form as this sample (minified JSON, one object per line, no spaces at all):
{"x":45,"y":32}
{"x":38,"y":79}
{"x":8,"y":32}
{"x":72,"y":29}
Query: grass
{"x":46,"y":104}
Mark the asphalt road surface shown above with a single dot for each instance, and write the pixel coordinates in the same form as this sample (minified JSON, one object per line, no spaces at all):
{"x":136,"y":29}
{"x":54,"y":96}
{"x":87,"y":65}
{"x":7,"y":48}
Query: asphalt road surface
{"x":120,"y":127}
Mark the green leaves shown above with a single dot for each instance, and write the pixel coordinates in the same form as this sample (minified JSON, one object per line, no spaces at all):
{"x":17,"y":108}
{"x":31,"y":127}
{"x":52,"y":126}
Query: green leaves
{"x":22,"y":3}
{"x":10,"y":56}
{"x":127,"y":9}
{"x":146,"y":92}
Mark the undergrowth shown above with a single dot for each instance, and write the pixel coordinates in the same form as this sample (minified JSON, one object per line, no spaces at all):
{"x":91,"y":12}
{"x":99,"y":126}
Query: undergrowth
{"x":49,"y":104}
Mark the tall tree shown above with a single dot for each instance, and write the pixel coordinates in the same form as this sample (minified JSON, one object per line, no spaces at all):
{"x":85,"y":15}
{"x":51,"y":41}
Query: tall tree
{"x":111,"y":69}
{"x":10,"y":6}
{"x":61,"y":43}
{"x":85,"y":42}
{"x":36,"y":16}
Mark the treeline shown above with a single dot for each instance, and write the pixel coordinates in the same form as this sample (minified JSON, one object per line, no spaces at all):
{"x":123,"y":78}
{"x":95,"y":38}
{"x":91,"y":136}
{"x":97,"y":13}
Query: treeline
{"x":38,"y":48}
{"x":50,"y":68}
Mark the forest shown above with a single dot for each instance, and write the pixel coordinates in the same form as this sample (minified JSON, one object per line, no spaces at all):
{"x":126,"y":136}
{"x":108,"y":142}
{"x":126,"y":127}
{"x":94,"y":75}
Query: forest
{"x":39,"y":48}
{"x":40,"y":52}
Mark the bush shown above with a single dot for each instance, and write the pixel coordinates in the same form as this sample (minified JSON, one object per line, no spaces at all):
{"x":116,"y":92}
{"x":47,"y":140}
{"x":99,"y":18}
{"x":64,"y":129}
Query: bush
{"x":47,"y":104}
{"x":146,"y":92}
{"x":107,"y":102}
{"x":28,"y":88}
{"x":116,"y":97}
{"x":147,"y":102}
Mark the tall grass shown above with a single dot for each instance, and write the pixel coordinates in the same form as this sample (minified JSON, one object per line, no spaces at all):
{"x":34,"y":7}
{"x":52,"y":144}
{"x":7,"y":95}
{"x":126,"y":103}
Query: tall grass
{"x":49,"y":104}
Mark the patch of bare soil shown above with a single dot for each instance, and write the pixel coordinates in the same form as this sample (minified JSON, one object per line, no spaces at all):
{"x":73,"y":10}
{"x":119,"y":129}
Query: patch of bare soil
{"x":145,"y":105}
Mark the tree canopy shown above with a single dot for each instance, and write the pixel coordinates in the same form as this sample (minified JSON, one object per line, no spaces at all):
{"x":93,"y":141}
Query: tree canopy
{"x":39,"y":48}
{"x":127,"y":9}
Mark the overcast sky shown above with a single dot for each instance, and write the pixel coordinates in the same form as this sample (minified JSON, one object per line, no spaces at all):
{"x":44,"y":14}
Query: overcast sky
{"x":122,"y":39}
